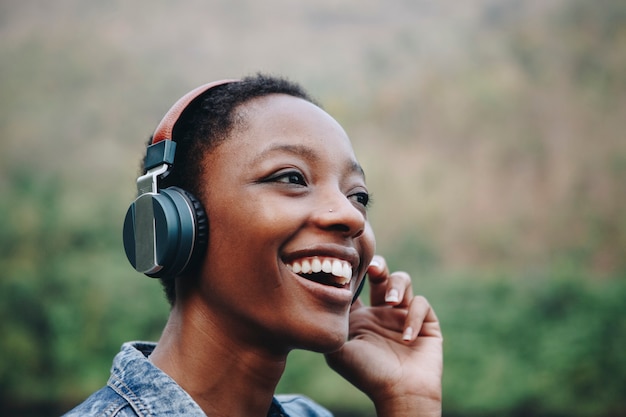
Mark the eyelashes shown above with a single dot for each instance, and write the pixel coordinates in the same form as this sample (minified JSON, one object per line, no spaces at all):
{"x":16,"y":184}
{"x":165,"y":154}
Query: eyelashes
{"x":289,"y":177}
{"x":362,"y":198}
{"x":294,"y":178}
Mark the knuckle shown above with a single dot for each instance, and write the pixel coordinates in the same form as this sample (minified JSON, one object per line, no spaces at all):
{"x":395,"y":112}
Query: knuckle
{"x":420,"y":299}
{"x":403,"y":277}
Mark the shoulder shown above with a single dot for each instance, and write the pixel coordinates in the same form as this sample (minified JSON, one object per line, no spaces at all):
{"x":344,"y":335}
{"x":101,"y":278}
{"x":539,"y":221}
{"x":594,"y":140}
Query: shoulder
{"x":136,"y":388}
{"x":103,"y":403}
{"x":301,"y":406}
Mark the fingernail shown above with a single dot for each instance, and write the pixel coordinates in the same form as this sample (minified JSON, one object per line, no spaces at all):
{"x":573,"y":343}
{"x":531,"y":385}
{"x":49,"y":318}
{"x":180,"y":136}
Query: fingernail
{"x":392,"y":296}
{"x":375,"y":263}
{"x":408,"y":334}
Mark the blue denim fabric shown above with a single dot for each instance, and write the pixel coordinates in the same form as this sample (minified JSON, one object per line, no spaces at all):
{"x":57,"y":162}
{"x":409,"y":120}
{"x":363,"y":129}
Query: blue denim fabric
{"x":137,"y":388}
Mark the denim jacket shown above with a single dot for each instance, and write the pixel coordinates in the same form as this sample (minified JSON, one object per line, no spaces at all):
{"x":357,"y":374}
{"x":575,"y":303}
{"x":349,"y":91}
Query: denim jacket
{"x":137,"y":388}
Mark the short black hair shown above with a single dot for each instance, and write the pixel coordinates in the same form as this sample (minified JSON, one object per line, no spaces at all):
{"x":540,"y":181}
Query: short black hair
{"x":206,"y":122}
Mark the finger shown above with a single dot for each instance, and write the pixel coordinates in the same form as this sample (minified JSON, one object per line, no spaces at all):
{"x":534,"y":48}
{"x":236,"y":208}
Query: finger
{"x":399,"y":291}
{"x":378,"y":275}
{"x":421,"y":320}
{"x":387,"y":288}
{"x":377,"y":269}
{"x":383,"y":321}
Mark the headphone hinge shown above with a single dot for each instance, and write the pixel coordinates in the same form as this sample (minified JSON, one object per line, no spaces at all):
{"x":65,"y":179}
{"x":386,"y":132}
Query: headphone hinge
{"x":148,"y":183}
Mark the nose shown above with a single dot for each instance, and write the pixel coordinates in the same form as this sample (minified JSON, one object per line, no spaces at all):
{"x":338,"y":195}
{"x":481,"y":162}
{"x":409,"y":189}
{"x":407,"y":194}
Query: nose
{"x":338,"y":213}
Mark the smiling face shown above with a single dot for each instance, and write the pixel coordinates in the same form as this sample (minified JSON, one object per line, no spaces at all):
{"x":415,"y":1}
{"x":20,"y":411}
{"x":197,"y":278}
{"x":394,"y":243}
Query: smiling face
{"x":289,"y":240}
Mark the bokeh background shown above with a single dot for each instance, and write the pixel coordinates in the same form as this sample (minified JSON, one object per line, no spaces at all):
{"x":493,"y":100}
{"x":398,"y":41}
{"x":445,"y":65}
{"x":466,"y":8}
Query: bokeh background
{"x":492,"y":133}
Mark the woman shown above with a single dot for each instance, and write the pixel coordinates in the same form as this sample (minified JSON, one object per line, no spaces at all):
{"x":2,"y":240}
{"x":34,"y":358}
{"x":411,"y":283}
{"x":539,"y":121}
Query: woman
{"x":288,"y":245}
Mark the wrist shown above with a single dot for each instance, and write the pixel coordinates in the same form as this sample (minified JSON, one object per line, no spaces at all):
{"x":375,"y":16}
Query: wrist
{"x":408,"y":406}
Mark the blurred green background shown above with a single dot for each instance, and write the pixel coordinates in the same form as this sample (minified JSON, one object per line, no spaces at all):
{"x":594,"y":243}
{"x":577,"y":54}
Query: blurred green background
{"x":492,"y":133}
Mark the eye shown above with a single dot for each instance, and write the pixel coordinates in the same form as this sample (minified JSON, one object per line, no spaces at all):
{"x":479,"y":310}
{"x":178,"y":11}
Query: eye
{"x":361,"y":198}
{"x":289,"y":177}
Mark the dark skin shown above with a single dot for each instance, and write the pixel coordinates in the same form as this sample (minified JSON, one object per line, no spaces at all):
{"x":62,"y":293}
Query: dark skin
{"x":284,"y":189}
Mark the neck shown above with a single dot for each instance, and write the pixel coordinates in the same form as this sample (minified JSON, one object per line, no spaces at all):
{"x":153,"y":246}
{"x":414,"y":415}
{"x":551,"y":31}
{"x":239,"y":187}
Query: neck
{"x":226,"y":376}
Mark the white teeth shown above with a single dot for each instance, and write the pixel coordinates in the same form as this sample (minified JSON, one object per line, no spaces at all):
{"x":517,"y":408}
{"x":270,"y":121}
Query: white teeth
{"x":337,"y":268}
{"x":316,"y":265}
{"x":327,"y":266}
{"x":347,"y":271}
{"x":342,"y":280}
{"x":341,"y":270}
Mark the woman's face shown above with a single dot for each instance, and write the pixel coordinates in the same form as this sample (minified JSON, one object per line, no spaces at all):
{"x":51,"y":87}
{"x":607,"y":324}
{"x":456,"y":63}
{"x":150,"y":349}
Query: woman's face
{"x":289,"y":239}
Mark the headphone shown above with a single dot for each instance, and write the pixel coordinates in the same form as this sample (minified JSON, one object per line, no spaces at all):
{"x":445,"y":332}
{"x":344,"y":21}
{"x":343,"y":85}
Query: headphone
{"x":165,"y":230}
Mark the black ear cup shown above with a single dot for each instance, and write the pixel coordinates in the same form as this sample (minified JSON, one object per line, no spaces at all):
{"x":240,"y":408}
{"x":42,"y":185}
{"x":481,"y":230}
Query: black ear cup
{"x":202,"y":228}
{"x":165,"y":232}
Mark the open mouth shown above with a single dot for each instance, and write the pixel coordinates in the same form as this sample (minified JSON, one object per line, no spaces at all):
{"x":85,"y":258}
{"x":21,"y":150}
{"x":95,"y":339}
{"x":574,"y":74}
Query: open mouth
{"x":323,"y":270}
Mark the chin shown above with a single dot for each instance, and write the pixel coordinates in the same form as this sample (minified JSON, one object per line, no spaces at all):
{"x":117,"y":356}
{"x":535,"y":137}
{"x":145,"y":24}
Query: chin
{"x":330,"y":348}
{"x":325,"y":341}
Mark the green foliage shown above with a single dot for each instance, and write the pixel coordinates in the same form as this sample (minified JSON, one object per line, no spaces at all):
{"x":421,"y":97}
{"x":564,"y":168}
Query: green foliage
{"x":67,"y":300}
{"x":550,"y":346}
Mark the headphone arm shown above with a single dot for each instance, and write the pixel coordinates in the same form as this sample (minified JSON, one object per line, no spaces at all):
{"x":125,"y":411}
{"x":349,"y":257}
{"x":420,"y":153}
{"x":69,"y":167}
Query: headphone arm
{"x":148,"y":183}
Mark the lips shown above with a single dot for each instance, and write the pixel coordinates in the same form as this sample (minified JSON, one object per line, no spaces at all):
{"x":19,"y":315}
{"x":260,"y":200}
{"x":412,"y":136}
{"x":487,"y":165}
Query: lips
{"x":324,"y":270}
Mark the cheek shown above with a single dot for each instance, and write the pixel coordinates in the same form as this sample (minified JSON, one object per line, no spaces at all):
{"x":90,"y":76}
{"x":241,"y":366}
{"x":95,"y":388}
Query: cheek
{"x":258,"y":219}
{"x":368,"y":244}
{"x":247,"y":231}
{"x":240,"y":265}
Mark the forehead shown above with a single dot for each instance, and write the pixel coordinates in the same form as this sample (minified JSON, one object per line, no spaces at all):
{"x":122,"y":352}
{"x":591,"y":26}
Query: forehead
{"x":279,"y":112}
{"x":281,"y":122}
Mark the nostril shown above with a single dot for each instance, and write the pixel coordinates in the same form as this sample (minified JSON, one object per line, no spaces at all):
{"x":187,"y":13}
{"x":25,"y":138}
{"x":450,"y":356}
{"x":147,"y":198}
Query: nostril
{"x":340,"y":227}
{"x":353,"y":231}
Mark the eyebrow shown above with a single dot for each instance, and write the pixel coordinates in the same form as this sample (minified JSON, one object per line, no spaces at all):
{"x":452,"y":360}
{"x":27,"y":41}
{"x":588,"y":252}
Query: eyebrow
{"x":305,"y":152}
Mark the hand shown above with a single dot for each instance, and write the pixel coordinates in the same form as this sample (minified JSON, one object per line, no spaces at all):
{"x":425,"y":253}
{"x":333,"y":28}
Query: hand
{"x":394,"y":353}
